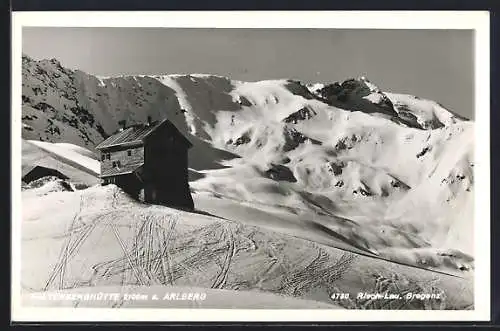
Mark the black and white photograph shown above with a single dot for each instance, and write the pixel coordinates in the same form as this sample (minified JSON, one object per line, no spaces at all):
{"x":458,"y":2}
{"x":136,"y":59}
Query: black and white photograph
{"x":333,"y":170}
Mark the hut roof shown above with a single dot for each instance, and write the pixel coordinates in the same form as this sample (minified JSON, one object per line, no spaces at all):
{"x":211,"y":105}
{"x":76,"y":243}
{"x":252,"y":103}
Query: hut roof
{"x":36,"y":171}
{"x":135,"y":134}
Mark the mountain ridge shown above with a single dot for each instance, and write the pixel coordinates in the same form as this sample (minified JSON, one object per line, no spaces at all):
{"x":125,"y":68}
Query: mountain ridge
{"x":398,"y":166}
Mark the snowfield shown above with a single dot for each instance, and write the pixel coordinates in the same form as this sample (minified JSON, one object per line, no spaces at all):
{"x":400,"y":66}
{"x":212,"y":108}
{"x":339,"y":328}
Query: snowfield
{"x":101,"y":238}
{"x":70,"y":152}
{"x":73,"y":161}
{"x":342,"y":168}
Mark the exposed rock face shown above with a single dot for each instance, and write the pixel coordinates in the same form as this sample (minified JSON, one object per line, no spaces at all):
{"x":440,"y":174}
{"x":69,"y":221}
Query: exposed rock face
{"x":302,"y":114}
{"x":293,"y":139}
{"x":356,"y":95}
{"x":280,"y":173}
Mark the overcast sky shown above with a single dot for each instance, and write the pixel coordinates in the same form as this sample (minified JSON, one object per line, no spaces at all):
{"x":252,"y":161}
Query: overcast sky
{"x":434,"y":64}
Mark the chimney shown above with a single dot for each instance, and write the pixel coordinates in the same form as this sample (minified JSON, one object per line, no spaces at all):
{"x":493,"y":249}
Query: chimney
{"x":123,"y":124}
{"x":149,"y":120}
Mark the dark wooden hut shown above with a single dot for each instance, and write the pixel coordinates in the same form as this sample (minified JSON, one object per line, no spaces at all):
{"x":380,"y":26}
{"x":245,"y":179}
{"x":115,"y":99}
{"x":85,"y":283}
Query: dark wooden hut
{"x":148,"y":161}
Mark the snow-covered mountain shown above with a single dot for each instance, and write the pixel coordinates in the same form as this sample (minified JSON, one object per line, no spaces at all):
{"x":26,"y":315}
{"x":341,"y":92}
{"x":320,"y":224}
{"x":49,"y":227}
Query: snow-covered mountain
{"x":391,"y":172}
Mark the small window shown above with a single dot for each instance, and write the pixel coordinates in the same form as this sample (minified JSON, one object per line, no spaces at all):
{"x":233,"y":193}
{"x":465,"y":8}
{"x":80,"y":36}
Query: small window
{"x":108,"y":156}
{"x":129,"y":152}
{"x":103,"y":157}
{"x":114,"y":164}
{"x":118,"y":163}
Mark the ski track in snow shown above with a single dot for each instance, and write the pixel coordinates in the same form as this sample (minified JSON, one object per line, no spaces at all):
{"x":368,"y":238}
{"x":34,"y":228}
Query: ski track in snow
{"x":175,"y":248}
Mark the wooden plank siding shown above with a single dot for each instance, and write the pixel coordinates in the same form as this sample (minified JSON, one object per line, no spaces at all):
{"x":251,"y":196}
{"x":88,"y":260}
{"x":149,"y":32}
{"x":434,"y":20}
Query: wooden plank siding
{"x":136,"y":157}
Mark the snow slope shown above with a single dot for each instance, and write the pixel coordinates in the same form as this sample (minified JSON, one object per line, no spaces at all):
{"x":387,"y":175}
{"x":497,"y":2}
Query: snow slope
{"x":69,"y":152}
{"x":388,"y":173}
{"x":73,"y":161}
{"x":102,"y":239}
